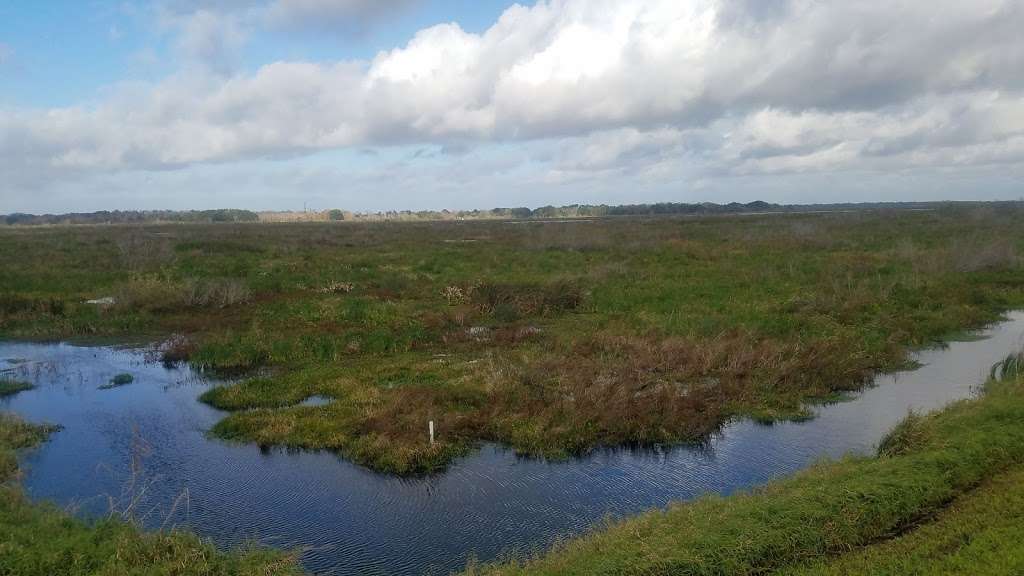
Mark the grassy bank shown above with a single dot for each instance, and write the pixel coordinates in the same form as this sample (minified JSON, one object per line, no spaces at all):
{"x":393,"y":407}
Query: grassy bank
{"x":942,"y":496}
{"x":980,"y":533}
{"x":552,"y":337}
{"x":40,"y":540}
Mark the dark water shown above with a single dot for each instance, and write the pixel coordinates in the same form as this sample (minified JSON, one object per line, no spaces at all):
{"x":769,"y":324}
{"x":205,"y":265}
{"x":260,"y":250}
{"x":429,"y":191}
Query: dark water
{"x":351,"y":521}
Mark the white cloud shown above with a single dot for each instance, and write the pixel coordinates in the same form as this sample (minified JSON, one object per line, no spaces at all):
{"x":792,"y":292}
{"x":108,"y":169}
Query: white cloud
{"x":985,"y":127}
{"x":732,"y":87}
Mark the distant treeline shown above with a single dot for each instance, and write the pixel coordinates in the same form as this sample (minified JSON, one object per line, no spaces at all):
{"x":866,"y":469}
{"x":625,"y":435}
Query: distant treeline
{"x":133,"y":217}
{"x":588,"y":211}
{"x":571,"y":211}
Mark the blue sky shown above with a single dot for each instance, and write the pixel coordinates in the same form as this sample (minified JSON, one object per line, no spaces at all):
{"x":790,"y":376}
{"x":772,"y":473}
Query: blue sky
{"x":392,"y":104}
{"x":68,"y":51}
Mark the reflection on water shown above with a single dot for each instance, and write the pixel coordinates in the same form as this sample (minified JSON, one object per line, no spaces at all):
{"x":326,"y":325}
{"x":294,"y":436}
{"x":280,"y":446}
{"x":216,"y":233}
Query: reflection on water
{"x":352,"y":521}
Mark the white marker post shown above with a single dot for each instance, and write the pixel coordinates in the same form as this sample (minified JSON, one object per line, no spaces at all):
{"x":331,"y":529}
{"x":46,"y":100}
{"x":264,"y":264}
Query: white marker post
{"x":431,"y":432}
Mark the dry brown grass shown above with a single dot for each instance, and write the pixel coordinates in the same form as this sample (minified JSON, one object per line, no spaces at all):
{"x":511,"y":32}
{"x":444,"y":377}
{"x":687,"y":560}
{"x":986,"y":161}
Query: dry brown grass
{"x":142,"y":250}
{"x":621,"y":388}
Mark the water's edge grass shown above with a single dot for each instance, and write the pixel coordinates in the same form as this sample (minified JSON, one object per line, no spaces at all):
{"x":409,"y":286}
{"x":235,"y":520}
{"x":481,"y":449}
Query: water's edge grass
{"x":42,"y":540}
{"x":918,"y":496}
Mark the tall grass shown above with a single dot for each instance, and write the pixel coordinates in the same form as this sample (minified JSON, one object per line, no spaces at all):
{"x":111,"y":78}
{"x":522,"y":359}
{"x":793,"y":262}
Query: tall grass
{"x":154,"y":293}
{"x":1009,"y":368}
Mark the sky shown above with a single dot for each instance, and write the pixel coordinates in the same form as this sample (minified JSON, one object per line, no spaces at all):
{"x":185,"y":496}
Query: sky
{"x":373,"y":105}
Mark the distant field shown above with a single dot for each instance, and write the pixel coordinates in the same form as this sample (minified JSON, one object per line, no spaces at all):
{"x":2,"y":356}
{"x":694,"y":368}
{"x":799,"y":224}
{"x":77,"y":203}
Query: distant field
{"x":552,"y":337}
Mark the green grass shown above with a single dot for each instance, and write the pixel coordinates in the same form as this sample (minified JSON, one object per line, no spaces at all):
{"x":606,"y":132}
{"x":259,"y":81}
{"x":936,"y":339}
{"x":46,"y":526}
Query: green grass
{"x":40,"y":540}
{"x":553,"y":338}
{"x":12,"y":387}
{"x":15,"y":434}
{"x":981,"y":533}
{"x":118,"y":381}
{"x":946,"y":495}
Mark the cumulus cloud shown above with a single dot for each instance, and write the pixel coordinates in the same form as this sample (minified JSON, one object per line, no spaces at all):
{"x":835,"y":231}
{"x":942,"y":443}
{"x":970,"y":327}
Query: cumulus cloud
{"x":971,"y":128}
{"x":736,"y":87}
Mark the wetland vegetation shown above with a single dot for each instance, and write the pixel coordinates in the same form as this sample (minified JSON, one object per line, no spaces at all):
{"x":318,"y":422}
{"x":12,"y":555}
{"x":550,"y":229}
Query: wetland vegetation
{"x":12,"y":387}
{"x":551,"y":337}
{"x":555,"y":338}
{"x":945,"y":495}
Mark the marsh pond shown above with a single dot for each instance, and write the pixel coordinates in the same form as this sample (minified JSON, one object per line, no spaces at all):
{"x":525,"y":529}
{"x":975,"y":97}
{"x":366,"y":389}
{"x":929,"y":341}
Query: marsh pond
{"x":141,"y":449}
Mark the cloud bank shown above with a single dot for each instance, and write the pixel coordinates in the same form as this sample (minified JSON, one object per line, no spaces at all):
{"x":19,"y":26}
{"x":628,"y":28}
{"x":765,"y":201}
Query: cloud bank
{"x":699,"y":90}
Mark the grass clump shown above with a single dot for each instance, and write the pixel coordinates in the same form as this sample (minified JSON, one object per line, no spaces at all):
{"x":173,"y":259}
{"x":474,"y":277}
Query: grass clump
{"x":1011,"y":367}
{"x":16,"y":434}
{"x":117,"y":381}
{"x":848,"y":514}
{"x":40,"y":540}
{"x":909,"y":435}
{"x":12,"y":387}
{"x":254,"y":393}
